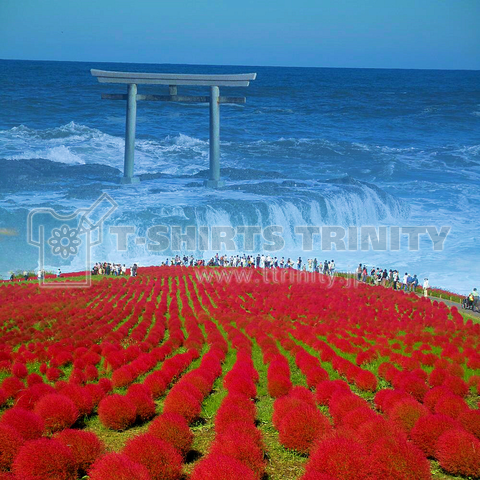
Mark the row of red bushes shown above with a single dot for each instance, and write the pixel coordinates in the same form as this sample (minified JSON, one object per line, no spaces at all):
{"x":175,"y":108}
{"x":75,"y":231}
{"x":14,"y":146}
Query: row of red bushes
{"x":237,"y":450}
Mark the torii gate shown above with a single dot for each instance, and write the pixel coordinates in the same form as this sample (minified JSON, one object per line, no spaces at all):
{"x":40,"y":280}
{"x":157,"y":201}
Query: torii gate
{"x":132,"y":79}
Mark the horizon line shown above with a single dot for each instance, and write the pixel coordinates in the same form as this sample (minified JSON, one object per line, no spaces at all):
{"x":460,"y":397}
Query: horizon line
{"x":247,"y":66}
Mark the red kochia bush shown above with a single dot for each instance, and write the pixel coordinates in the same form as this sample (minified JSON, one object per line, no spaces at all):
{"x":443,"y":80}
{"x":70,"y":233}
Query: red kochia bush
{"x":437,"y":377}
{"x":378,"y":427}
{"x":413,"y":385}
{"x":160,"y":458}
{"x":239,"y":383}
{"x":343,"y":402}
{"x":386,"y":398}
{"x":366,"y":381}
{"x":58,"y":412}
{"x":34,"y":379}
{"x":141,"y":397}
{"x":122,"y":377}
{"x":173,"y":428}
{"x":451,"y":405}
{"x":229,"y":413}
{"x":392,"y":459}
{"x":19,"y":370}
{"x":117,"y":412}
{"x":405,"y":413}
{"x":299,"y":429}
{"x":10,"y":442}
{"x":53,"y":374}
{"x":355,"y":418}
{"x":116,"y":466}
{"x":242,"y":447}
{"x":96,"y":392}
{"x":234,"y":406}
{"x":327,"y":388}
{"x":284,"y":405}
{"x":340,"y":458}
{"x":243,"y":427}
{"x":30,"y":396}
{"x":85,"y":447}
{"x":458,"y":452}
{"x":106,"y":384}
{"x":80,"y":397}
{"x":278,"y":385}
{"x":45,"y":459}
{"x":11,"y":386}
{"x":456,"y":385}
{"x":156,"y":383}
{"x":470,"y":420}
{"x":28,"y":424}
{"x":433,"y":395}
{"x":199,"y":381}
{"x":221,"y":467}
{"x":429,"y":429}
{"x":91,"y":373}
{"x":181,"y":401}
{"x":303,"y":394}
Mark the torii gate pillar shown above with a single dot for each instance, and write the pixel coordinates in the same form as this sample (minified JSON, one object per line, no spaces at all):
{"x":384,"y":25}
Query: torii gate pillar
{"x":214,"y":180}
{"x":130,"y":135}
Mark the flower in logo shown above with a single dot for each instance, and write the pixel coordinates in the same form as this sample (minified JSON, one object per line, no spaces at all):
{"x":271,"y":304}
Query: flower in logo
{"x":64,"y":241}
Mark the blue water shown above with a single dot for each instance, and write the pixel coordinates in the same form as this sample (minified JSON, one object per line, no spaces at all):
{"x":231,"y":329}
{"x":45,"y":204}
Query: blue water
{"x":311,"y":147}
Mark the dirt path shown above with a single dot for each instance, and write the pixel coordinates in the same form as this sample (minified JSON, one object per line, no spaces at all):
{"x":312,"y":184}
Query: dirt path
{"x":458,"y":305}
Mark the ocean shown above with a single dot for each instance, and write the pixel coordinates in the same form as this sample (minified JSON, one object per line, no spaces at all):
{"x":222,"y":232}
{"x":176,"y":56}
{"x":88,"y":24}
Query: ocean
{"x":312,"y":147}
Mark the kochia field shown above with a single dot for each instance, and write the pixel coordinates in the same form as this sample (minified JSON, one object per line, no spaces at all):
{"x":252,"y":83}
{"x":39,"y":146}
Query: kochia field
{"x":226,"y":374}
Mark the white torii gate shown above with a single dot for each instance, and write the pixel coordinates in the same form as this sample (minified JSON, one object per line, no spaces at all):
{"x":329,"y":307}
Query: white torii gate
{"x":132,"y":79}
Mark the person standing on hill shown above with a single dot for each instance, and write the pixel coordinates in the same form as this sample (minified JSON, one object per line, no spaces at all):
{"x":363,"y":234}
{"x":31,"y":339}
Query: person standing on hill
{"x":414,"y":283}
{"x":331,"y":268}
{"x":359,"y":272}
{"x":390,"y":277}
{"x":396,"y":279}
{"x":426,"y":287}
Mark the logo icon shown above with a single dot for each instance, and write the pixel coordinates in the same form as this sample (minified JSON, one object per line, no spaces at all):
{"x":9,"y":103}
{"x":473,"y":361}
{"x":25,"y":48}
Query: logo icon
{"x":65,"y":241}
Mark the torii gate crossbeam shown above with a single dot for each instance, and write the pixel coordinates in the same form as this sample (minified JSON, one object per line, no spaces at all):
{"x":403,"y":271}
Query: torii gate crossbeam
{"x":132,"y":79}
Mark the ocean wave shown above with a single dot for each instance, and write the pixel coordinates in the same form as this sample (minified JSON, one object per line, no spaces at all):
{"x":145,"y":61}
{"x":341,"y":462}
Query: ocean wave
{"x":60,"y":154}
{"x":75,"y":144}
{"x":182,"y":154}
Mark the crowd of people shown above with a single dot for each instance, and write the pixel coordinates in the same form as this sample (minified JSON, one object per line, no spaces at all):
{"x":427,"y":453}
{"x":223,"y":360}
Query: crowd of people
{"x":258,"y":261}
{"x":391,"y":278}
{"x":117,"y":269}
{"x":374,"y":276}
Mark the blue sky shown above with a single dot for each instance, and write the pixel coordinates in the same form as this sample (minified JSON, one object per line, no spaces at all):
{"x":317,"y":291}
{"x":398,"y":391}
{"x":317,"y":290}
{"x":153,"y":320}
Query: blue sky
{"x":441,"y":34}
